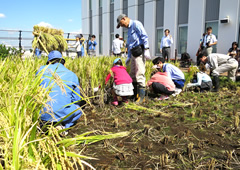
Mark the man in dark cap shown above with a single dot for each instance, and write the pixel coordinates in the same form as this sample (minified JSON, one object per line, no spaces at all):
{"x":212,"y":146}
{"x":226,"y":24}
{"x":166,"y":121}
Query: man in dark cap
{"x":138,"y":52}
{"x":64,"y":90}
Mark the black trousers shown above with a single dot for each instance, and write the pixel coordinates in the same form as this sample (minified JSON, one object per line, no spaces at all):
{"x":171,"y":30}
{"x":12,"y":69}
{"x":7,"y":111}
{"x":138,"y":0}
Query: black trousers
{"x":160,"y":89}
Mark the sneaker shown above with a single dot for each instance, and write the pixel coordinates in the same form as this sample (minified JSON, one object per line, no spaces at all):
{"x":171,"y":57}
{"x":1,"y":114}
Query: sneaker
{"x":177,"y":92}
{"x":163,"y":97}
{"x":115,"y":103}
{"x":61,"y":127}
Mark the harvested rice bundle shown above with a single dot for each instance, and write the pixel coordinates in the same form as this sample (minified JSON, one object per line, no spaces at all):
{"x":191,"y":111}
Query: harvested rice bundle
{"x":48,"y":39}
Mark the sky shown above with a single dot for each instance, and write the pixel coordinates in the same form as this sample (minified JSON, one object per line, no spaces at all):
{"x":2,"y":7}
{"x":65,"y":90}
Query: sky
{"x":24,"y":14}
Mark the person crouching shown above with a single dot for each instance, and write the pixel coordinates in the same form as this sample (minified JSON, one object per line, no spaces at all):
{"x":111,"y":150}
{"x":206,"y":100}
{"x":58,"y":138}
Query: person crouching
{"x":122,"y":85}
{"x":160,"y":83}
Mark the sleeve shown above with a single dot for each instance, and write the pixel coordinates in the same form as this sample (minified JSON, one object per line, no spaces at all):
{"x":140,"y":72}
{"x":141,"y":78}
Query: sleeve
{"x":76,"y":90}
{"x":213,"y":61}
{"x":95,"y":43}
{"x":230,"y":50}
{"x":107,"y":78}
{"x":214,"y":38}
{"x":168,"y":70}
{"x":199,"y":80}
{"x":75,"y":45}
{"x":143,"y":35}
{"x":89,"y":43}
{"x":171,"y":40}
{"x":161,"y":46}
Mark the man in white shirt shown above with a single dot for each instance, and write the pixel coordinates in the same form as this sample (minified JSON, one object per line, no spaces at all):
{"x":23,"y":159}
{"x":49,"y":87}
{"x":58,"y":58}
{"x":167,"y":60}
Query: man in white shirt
{"x":209,"y":40}
{"x":117,"y":44}
{"x":166,"y":43}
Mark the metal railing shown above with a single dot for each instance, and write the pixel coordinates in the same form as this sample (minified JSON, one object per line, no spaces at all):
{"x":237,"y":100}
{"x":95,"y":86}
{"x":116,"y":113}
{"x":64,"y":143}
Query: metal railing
{"x":21,"y":39}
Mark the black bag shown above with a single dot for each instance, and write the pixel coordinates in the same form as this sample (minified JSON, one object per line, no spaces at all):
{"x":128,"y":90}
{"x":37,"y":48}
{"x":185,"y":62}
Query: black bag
{"x":137,"y":51}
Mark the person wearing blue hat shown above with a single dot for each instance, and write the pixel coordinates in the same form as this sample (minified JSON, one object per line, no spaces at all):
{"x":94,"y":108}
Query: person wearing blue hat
{"x":122,"y":85}
{"x":64,"y":90}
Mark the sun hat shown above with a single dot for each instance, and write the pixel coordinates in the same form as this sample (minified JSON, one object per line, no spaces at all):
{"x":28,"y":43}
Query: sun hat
{"x":119,"y":18}
{"x":116,"y":60}
{"x":53,"y":55}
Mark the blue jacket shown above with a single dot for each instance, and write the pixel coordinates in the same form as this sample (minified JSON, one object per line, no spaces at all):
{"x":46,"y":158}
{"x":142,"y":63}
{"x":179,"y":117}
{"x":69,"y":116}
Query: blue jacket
{"x":92,"y":45}
{"x":173,"y":72}
{"x":61,"y":99}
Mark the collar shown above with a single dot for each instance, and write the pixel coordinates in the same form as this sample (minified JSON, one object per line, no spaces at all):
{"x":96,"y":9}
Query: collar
{"x":130,"y":23}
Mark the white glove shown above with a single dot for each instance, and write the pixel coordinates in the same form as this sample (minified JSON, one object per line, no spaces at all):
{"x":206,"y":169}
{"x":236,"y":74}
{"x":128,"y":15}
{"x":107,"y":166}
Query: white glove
{"x":127,"y":61}
{"x":95,"y":89}
{"x":147,"y":54}
{"x":189,"y":85}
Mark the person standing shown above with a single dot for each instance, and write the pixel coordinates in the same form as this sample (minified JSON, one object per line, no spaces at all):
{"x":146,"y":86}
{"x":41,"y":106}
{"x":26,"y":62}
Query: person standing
{"x":92,"y":46}
{"x":78,"y":46}
{"x":220,"y":63}
{"x":166,"y":43}
{"x":117,"y":44}
{"x":138,"y":52}
{"x":209,"y":40}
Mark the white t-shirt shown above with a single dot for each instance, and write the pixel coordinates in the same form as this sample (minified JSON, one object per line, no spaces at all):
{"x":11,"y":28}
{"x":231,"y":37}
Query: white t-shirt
{"x":78,"y":46}
{"x":209,"y":38}
{"x":117,"y":44}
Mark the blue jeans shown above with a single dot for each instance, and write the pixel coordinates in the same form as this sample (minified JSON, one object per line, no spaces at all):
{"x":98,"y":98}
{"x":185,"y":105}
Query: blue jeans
{"x":179,"y":83}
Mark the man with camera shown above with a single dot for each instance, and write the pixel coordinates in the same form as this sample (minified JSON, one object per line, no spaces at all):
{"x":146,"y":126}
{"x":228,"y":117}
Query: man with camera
{"x":209,"y":40}
{"x":138,"y":52}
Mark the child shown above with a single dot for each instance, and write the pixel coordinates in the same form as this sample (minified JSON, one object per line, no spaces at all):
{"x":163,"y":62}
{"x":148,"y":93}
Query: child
{"x":160,"y":83}
{"x":173,"y":72}
{"x":202,"y":80}
{"x":122,"y":85}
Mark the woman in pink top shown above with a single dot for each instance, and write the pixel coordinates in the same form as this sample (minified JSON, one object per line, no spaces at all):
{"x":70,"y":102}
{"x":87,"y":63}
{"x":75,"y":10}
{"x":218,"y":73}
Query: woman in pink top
{"x":122,"y":85}
{"x":160,"y":83}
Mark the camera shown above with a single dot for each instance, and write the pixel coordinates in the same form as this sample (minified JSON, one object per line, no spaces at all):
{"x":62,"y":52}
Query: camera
{"x":208,"y":44}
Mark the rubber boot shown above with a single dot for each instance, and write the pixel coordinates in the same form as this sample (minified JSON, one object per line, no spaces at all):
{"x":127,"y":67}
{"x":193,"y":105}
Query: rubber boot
{"x":135,"y":91}
{"x":141,"y":94}
{"x":215,"y":84}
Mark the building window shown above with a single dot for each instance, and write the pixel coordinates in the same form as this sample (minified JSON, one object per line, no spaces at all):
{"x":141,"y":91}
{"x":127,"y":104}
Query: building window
{"x":158,"y":40}
{"x":100,"y":3}
{"x":100,"y":43}
{"x":214,"y":25}
{"x":111,"y":40}
{"x":182,"y":39}
{"x":111,"y":1}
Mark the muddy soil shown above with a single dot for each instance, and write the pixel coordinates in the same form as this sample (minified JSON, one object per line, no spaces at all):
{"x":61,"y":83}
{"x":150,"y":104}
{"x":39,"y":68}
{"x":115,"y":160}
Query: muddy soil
{"x":202,"y":134}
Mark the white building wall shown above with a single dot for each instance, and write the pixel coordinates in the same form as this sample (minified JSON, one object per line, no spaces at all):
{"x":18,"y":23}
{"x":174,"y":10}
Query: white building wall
{"x":85,"y":17}
{"x":227,"y":33}
{"x":196,"y":24}
{"x":95,"y":22}
{"x":170,"y":21}
{"x":118,"y":9}
{"x":150,"y":23}
{"x":133,"y":9}
{"x":106,"y":27}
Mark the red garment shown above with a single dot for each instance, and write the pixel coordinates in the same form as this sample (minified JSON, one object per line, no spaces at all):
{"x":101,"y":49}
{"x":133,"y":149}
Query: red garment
{"x":120,"y":74}
{"x":162,"y":78}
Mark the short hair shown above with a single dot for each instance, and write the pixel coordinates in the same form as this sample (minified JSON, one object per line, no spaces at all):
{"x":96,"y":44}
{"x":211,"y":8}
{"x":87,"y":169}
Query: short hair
{"x":93,"y":36}
{"x":117,"y":35}
{"x":234,"y":43}
{"x":202,"y":67}
{"x":56,"y":60}
{"x":119,"y":62}
{"x":209,"y":28}
{"x":167,"y":30}
{"x":158,"y":60}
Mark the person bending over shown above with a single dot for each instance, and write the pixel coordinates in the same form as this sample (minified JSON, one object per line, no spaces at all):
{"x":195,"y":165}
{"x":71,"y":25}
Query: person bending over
{"x":174,"y":73}
{"x":160,"y":83}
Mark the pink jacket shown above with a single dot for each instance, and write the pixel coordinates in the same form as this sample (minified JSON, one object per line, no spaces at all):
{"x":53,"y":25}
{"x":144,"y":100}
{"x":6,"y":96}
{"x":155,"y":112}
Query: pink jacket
{"x":162,"y":78}
{"x":120,"y":74}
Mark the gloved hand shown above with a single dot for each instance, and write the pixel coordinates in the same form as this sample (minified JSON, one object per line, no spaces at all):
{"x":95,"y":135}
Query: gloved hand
{"x":147,"y":54}
{"x":127,"y":61}
{"x":189,"y":85}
